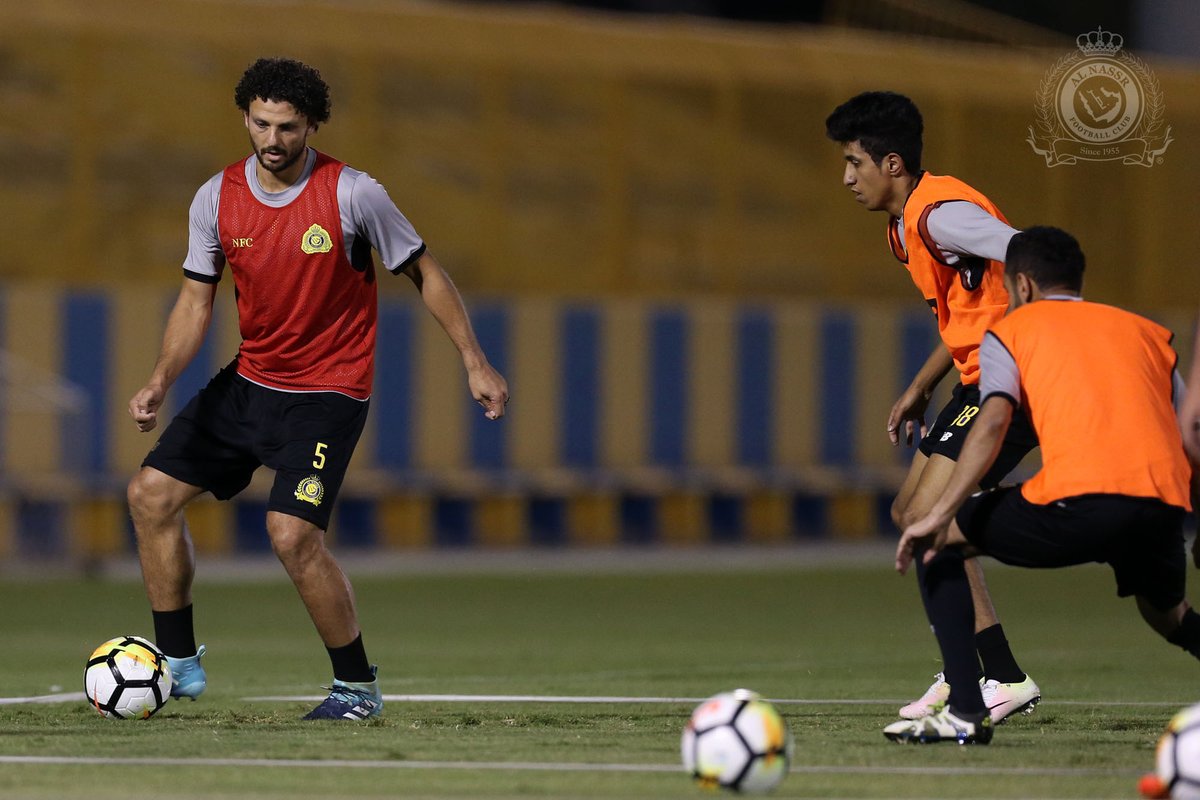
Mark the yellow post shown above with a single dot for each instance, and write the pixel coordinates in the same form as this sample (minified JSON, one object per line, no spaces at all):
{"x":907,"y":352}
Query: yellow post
{"x":593,"y":519}
{"x":500,"y":520}
{"x":683,"y":516}
{"x":851,"y":515}
{"x":8,"y":526}
{"x":211,"y":522}
{"x":406,"y":520}
{"x":768,"y":516}
{"x":97,"y":527}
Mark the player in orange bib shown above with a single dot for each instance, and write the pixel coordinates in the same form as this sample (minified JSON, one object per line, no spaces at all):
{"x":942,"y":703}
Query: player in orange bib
{"x":951,"y":239}
{"x":1106,"y":493}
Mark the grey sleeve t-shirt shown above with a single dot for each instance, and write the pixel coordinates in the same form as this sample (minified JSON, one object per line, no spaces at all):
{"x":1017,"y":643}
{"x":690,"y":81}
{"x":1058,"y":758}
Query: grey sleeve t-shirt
{"x":368,"y":215}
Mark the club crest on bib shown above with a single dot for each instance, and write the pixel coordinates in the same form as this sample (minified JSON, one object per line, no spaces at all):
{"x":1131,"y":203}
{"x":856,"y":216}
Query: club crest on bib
{"x":316,"y":240}
{"x":310,"y":490}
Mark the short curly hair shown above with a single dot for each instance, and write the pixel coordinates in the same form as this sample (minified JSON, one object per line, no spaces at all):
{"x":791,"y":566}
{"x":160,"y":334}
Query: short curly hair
{"x":882,"y":123}
{"x":285,"y":80}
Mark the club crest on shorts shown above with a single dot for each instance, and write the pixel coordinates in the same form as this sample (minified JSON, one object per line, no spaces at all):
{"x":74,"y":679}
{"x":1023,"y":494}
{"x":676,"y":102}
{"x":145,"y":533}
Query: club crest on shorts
{"x":316,"y":240}
{"x":310,"y":490}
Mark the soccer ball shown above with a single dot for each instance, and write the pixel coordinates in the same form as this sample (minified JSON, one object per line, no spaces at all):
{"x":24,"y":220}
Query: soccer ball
{"x":1177,"y":762}
{"x":738,"y":741}
{"x":127,"y":678}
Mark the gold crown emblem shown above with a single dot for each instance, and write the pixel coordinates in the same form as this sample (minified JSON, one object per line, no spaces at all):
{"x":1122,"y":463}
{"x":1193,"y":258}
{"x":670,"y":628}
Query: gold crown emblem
{"x":1099,"y":42}
{"x":310,"y":490}
{"x":316,"y":240}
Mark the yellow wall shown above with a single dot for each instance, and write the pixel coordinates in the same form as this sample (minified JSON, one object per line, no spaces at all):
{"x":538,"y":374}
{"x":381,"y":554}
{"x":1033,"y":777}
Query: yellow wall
{"x":550,"y":151}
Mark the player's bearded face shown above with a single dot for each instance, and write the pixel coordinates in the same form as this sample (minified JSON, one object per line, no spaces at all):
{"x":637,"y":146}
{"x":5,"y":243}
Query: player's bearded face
{"x":278,"y":134}
{"x":274,"y":158}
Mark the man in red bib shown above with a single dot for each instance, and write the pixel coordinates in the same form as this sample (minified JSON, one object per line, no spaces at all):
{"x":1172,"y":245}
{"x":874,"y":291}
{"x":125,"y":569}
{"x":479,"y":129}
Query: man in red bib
{"x":296,"y":228}
{"x":951,"y":239}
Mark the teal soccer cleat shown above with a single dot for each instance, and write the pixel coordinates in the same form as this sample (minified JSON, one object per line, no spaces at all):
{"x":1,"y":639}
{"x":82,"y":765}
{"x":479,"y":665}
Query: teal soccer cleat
{"x":187,"y":676}
{"x":356,"y":701}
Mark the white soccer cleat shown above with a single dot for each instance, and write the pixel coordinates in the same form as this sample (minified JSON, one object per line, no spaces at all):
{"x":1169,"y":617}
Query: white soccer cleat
{"x":1005,"y":699}
{"x":944,"y":726}
{"x":933,"y":701}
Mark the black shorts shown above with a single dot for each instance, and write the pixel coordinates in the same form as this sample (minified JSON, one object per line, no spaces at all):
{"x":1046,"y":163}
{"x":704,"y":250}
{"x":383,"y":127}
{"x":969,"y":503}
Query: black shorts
{"x":950,"y":430}
{"x":1140,"y":538}
{"x":234,"y":426}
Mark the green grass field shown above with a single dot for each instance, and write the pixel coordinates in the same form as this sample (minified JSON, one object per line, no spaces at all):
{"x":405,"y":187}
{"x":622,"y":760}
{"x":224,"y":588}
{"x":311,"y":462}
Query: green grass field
{"x":847,"y":641}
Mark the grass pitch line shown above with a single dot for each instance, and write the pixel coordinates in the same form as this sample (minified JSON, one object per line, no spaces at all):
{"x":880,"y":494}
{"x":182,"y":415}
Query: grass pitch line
{"x":60,"y":697}
{"x":542,"y":766}
{"x":584,"y":699}
{"x":80,"y":697}
{"x":541,"y":698}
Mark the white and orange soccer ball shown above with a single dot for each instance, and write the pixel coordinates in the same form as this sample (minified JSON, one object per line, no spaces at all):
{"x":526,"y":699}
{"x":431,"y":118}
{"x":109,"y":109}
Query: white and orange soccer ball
{"x":127,"y":678}
{"x":1177,"y":761}
{"x":738,"y":741}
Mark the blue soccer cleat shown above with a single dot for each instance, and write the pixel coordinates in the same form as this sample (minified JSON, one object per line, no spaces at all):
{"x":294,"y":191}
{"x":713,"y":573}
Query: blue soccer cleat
{"x":356,"y":701}
{"x":187,"y":676}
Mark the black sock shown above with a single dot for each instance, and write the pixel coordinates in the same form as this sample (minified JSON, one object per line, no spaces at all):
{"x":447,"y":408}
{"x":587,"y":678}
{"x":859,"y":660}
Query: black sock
{"x":350,"y":663}
{"x":999,"y":663}
{"x":1187,"y":635}
{"x":952,"y":613}
{"x":173,"y":632}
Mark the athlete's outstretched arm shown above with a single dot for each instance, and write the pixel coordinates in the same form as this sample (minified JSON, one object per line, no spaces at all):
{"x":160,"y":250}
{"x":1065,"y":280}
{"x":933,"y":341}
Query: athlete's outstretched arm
{"x":966,"y":229}
{"x":1189,"y":409}
{"x":909,"y":410}
{"x":978,"y":452}
{"x":186,"y":328}
{"x":441,"y":297}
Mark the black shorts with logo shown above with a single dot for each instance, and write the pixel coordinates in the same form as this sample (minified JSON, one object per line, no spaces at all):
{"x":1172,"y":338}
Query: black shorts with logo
{"x":233,"y":426}
{"x":950,"y":429}
{"x":1141,"y":538}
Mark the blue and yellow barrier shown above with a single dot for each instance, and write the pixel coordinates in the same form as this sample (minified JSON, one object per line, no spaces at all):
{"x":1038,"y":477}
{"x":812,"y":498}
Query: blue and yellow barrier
{"x":631,"y":421}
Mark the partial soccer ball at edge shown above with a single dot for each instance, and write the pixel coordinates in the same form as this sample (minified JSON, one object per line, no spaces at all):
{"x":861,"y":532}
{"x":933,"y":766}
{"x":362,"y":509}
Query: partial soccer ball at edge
{"x":738,"y":741}
{"x":127,"y":678}
{"x":1177,"y":760}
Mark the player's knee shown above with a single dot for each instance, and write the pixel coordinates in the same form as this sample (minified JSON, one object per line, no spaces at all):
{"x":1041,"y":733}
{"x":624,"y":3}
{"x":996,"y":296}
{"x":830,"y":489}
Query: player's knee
{"x":295,"y":543}
{"x":907,"y":516}
{"x":898,"y":513}
{"x":148,"y":498}
{"x":1166,"y":622}
{"x":289,"y":546}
